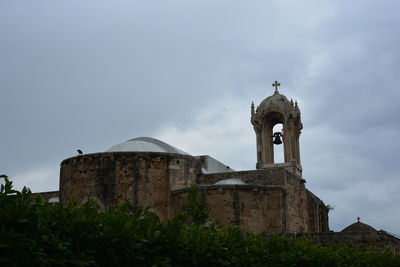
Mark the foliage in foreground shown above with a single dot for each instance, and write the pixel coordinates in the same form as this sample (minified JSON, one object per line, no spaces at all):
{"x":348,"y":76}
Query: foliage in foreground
{"x":44,"y":234}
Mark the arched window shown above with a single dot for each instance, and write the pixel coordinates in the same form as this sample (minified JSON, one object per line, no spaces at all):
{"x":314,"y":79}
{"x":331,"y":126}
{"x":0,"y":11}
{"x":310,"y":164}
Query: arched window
{"x":278,"y":149}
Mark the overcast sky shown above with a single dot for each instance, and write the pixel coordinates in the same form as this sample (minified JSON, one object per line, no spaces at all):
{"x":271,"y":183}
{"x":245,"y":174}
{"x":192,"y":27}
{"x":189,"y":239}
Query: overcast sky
{"x":91,"y":74}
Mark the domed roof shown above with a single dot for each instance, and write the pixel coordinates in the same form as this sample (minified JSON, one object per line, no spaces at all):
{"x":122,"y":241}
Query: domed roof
{"x":276,"y":102}
{"x":145,"y":144}
{"x":359,"y":227}
{"x":277,"y":107}
{"x":230,"y":181}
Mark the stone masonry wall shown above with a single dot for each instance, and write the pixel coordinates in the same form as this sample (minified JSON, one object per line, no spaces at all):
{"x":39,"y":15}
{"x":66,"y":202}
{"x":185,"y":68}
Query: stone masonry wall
{"x":271,"y":176}
{"x":378,"y":240}
{"x":296,"y":205}
{"x":141,"y":178}
{"x":252,"y":208}
{"x":317,"y":214}
{"x":305,"y":213}
{"x":147,"y":179}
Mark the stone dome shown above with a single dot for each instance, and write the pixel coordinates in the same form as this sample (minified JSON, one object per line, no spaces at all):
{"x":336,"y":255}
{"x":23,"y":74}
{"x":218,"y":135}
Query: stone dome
{"x":275,"y":102}
{"x":277,"y":108}
{"x":145,"y":144}
{"x":359,"y":227}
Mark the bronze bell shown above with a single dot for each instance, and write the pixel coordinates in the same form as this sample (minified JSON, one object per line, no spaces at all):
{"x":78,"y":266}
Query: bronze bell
{"x":277,"y":138}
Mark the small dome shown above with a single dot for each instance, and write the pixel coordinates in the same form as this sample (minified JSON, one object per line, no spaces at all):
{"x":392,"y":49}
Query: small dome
{"x":359,"y":227}
{"x":278,"y":109}
{"x":276,"y":102}
{"x":145,"y":144}
{"x":230,"y":181}
{"x":54,"y":200}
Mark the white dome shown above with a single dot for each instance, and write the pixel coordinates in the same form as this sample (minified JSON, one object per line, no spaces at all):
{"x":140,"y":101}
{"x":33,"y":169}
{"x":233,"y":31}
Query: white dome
{"x":145,"y":144}
{"x":230,"y":181}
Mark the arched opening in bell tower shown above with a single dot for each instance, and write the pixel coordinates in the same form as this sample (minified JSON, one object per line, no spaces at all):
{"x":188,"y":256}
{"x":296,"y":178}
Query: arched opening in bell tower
{"x":277,"y":124}
{"x":279,"y":156}
{"x":267,"y":137}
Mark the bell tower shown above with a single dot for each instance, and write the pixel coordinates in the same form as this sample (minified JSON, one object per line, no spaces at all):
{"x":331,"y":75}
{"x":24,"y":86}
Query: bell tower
{"x":273,"y":110}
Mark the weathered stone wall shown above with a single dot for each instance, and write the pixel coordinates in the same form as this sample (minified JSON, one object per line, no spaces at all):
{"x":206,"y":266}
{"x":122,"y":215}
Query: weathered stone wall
{"x":271,"y":176}
{"x":378,"y":240}
{"x":252,"y":208}
{"x":273,"y":199}
{"x":297,"y":209}
{"x":317,"y":214}
{"x":305,"y":212}
{"x":144,"y":179}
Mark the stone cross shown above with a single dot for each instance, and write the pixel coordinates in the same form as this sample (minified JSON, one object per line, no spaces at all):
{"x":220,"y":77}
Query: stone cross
{"x":276,"y":84}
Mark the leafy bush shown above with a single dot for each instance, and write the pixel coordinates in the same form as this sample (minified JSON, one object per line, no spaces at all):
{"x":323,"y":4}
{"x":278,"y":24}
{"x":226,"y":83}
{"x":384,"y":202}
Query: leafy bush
{"x":38,"y":233}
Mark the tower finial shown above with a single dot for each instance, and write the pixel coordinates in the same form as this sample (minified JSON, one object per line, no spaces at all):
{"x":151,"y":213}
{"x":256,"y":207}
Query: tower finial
{"x":276,"y":84}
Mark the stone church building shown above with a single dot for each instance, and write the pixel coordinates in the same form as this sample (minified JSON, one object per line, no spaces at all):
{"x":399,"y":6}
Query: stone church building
{"x":150,"y":173}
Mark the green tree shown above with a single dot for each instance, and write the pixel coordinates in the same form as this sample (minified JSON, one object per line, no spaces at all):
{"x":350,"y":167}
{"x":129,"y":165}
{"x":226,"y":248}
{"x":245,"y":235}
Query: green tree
{"x":34,"y":232}
{"x":198,"y":207}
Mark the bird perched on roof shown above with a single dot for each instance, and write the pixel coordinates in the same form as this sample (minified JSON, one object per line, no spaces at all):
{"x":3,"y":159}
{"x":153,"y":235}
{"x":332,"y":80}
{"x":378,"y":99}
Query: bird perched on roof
{"x":79,"y":151}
